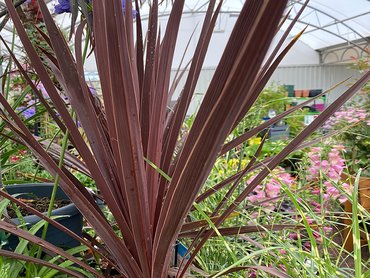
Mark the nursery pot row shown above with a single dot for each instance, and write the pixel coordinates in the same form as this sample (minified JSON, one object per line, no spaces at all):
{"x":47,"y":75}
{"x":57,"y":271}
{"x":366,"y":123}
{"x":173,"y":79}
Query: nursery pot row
{"x":70,"y":217}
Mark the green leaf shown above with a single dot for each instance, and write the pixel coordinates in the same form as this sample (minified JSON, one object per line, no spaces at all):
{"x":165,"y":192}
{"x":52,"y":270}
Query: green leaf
{"x":356,"y":228}
{"x":22,"y":246}
{"x":155,"y":167}
{"x":46,"y":272}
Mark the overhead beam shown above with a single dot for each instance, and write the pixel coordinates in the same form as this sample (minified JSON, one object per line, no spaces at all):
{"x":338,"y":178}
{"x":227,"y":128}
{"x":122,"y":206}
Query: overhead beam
{"x":336,"y":20}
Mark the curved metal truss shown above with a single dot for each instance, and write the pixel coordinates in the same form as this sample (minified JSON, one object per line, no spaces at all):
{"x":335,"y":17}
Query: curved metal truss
{"x":330,"y":24}
{"x":335,"y":22}
{"x":343,"y":53}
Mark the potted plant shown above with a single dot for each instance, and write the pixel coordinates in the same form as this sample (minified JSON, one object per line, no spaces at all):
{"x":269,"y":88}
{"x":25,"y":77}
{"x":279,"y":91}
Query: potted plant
{"x":148,"y":178}
{"x":66,"y":212}
{"x":355,"y":121}
{"x":364,"y":201}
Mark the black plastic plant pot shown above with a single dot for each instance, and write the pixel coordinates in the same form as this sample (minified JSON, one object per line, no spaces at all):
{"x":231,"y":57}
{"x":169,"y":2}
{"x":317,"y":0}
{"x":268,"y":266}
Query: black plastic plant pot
{"x":71,"y":217}
{"x":315,"y":92}
{"x":279,"y":132}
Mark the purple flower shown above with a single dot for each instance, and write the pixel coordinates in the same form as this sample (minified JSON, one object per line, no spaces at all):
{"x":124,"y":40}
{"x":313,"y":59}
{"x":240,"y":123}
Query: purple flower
{"x":64,"y":6}
{"x":27,"y":112}
{"x":307,"y":246}
{"x":293,"y":236}
{"x":134,"y":12}
{"x":93,"y":91}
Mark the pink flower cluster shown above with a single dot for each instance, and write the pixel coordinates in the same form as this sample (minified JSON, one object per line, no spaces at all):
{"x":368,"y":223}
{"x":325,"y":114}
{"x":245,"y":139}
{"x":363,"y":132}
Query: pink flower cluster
{"x":305,"y":239}
{"x":316,"y":233}
{"x":332,"y":168}
{"x":270,"y":188}
{"x":349,"y":115}
{"x":42,"y":89}
{"x":15,"y":158}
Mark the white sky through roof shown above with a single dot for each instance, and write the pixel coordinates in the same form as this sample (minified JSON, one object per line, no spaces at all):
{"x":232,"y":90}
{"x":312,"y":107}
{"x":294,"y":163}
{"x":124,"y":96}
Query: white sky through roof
{"x":330,"y":22}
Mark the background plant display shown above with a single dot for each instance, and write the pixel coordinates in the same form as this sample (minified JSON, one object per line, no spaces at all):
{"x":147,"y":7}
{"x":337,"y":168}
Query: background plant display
{"x":273,"y":98}
{"x":164,"y":178}
{"x":318,"y":195}
{"x":354,"y":120}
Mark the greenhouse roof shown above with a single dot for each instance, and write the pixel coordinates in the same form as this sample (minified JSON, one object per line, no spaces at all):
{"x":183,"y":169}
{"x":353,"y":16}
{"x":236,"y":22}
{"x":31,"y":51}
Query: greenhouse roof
{"x":329,"y":22}
{"x":332,"y":22}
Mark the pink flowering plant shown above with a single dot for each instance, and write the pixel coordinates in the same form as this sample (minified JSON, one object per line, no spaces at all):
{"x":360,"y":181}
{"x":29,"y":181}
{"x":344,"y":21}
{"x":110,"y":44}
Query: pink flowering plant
{"x":362,"y":64}
{"x":325,"y":166}
{"x":355,"y":120}
{"x":318,"y":190}
{"x":267,"y":193}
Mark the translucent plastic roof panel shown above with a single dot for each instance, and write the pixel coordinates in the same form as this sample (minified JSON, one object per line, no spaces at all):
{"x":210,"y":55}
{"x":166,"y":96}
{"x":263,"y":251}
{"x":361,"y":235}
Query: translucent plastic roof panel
{"x":331,"y":22}
{"x":328,"y":22}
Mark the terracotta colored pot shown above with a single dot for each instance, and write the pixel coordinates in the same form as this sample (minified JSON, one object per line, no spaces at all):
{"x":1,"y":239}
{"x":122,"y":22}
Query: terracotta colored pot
{"x":364,"y":192}
{"x":363,"y":189}
{"x":364,"y":201}
{"x":298,"y":93}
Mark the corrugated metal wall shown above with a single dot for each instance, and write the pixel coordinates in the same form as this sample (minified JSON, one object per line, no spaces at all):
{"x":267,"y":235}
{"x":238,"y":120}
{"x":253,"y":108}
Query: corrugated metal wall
{"x":315,"y":77}
{"x":302,"y":77}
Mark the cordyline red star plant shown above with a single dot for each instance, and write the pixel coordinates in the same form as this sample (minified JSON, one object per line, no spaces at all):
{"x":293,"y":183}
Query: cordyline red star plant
{"x":132,"y":139}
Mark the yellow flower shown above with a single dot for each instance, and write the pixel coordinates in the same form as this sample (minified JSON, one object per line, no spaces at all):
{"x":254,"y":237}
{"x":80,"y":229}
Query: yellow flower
{"x":254,"y":141}
{"x":233,"y":163}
